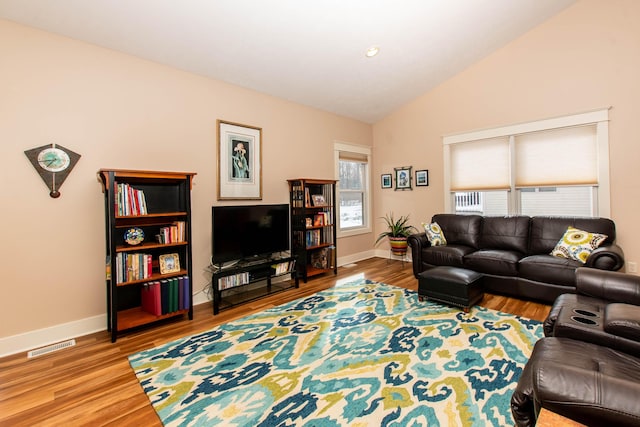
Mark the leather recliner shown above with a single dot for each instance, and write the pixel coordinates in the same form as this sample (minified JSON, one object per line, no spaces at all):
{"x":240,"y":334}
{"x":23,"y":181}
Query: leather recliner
{"x":587,"y":367}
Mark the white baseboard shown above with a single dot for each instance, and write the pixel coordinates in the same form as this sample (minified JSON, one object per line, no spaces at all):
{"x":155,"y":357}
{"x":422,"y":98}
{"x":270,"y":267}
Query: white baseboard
{"x":53,"y":334}
{"x":356,"y":257}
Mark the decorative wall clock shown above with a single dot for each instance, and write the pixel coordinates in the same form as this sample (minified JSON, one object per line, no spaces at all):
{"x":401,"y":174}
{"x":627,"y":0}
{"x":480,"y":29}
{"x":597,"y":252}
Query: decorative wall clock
{"x":53,"y":163}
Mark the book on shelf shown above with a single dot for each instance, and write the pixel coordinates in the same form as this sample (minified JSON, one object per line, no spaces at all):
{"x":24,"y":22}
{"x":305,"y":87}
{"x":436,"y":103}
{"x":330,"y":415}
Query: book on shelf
{"x":151,"y":301}
{"x":166,"y":296}
{"x":297,"y":196}
{"x":173,"y":233}
{"x":130,"y":201}
{"x":165,"y":289}
{"x":283,"y":267}
{"x":133,"y":266}
{"x":320,"y":219}
{"x":186,"y":302}
{"x":312,"y":238}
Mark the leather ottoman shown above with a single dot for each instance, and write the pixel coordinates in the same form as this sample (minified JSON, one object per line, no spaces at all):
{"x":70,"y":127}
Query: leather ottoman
{"x":451,"y":285}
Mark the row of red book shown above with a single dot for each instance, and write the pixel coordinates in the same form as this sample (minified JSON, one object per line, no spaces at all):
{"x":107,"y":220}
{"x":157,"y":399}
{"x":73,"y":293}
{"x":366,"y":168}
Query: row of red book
{"x":130,"y":201}
{"x":166,"y":296}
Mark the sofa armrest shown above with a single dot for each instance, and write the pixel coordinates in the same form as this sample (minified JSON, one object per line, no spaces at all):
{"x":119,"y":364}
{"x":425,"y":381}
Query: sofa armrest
{"x":622,"y":320}
{"x":606,"y":257}
{"x":608,"y":285}
{"x":585,"y":396}
{"x":417,"y":242}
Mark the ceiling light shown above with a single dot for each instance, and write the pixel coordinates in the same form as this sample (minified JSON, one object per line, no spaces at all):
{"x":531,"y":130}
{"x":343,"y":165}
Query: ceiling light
{"x":372,"y":51}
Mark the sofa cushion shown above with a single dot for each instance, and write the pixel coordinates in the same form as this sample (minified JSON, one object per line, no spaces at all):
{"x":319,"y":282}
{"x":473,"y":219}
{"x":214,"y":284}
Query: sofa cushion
{"x":549,"y":269}
{"x":507,"y":233}
{"x":434,"y":234}
{"x":489,"y":261}
{"x":546,"y":231}
{"x":460,"y":229}
{"x":577,"y":244}
{"x":451,"y":255}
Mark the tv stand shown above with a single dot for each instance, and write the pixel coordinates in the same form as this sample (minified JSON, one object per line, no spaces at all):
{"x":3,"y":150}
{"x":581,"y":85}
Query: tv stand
{"x":249,"y":280}
{"x":247,"y":262}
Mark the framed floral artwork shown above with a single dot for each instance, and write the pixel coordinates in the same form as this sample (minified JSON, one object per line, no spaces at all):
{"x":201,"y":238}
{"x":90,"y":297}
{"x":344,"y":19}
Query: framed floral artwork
{"x":239,"y":161}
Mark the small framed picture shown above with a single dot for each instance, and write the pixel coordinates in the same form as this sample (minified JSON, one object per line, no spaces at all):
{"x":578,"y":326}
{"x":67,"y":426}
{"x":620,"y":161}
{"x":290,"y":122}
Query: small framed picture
{"x":422,"y":178}
{"x":308,"y":222}
{"x":386,"y":180}
{"x":169,"y":263}
{"x":318,"y":199}
{"x":403,"y":178}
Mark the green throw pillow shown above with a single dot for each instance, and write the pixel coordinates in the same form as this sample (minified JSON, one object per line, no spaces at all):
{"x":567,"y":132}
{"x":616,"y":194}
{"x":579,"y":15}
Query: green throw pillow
{"x":434,"y":234}
{"x":577,"y":244}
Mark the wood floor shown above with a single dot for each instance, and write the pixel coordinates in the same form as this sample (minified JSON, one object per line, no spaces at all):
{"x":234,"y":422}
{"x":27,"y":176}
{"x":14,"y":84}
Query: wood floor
{"x":93,"y":384}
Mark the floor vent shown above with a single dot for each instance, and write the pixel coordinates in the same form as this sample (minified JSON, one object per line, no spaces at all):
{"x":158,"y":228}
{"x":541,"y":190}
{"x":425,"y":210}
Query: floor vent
{"x":350,"y":265}
{"x":51,"y":348}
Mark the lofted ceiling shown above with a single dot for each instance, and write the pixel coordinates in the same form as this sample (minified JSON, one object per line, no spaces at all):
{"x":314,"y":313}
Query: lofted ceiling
{"x":311,"y":52}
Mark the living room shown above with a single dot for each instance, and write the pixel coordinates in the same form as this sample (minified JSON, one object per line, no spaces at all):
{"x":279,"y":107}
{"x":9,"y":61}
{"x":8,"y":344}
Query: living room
{"x":120,"y":111}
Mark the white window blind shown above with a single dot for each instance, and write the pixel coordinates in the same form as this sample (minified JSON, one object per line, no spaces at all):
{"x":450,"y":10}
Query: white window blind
{"x":557,"y":157}
{"x":480,"y":164}
{"x":353,"y":157}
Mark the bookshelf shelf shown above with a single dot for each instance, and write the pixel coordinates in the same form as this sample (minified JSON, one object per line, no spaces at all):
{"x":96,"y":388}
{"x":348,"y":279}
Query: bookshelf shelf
{"x":135,"y":317}
{"x":144,"y":246}
{"x":158,"y":203}
{"x":153,"y":278}
{"x":313,"y":228}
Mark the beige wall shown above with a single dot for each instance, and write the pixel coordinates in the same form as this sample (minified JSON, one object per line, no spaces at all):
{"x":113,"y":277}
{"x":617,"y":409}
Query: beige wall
{"x":122,"y":112}
{"x":585,"y":58}
{"x":118,"y":111}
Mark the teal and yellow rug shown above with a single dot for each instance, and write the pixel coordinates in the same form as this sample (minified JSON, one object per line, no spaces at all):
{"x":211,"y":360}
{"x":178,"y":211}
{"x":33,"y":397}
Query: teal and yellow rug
{"x":359,"y":354}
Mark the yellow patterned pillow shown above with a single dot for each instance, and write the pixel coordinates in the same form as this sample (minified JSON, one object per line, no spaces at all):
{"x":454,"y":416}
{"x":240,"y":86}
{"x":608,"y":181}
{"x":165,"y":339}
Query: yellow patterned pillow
{"x":577,"y":244}
{"x":434,"y":234}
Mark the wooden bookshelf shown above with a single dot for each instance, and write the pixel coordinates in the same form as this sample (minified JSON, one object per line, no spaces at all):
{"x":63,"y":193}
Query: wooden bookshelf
{"x":166,"y":198}
{"x":313,"y":225}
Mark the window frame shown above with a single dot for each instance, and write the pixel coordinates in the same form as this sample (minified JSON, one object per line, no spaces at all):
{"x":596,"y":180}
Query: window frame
{"x":362,"y":150}
{"x":599,"y":118}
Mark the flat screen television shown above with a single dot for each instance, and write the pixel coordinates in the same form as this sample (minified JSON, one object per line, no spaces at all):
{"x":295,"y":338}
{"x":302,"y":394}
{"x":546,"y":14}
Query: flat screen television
{"x":248,"y":231}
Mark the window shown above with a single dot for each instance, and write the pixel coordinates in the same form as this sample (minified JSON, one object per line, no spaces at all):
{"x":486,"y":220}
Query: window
{"x":549,"y":167}
{"x":352,"y":172}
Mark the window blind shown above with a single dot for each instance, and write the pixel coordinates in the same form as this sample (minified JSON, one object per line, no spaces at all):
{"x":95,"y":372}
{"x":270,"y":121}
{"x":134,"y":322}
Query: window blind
{"x":567,"y":156}
{"x":480,"y":165}
{"x":353,"y":157}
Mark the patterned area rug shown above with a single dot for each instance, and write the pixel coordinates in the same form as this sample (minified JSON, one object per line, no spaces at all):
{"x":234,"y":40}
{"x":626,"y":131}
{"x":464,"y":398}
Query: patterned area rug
{"x":359,"y":354}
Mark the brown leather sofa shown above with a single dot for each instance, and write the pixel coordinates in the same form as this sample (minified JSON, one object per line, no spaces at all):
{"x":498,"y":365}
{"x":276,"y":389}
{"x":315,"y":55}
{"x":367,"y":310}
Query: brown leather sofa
{"x":513,"y":253}
{"x":587,"y":367}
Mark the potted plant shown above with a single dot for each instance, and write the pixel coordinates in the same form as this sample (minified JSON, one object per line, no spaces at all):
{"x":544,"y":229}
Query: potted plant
{"x":397,"y":233}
